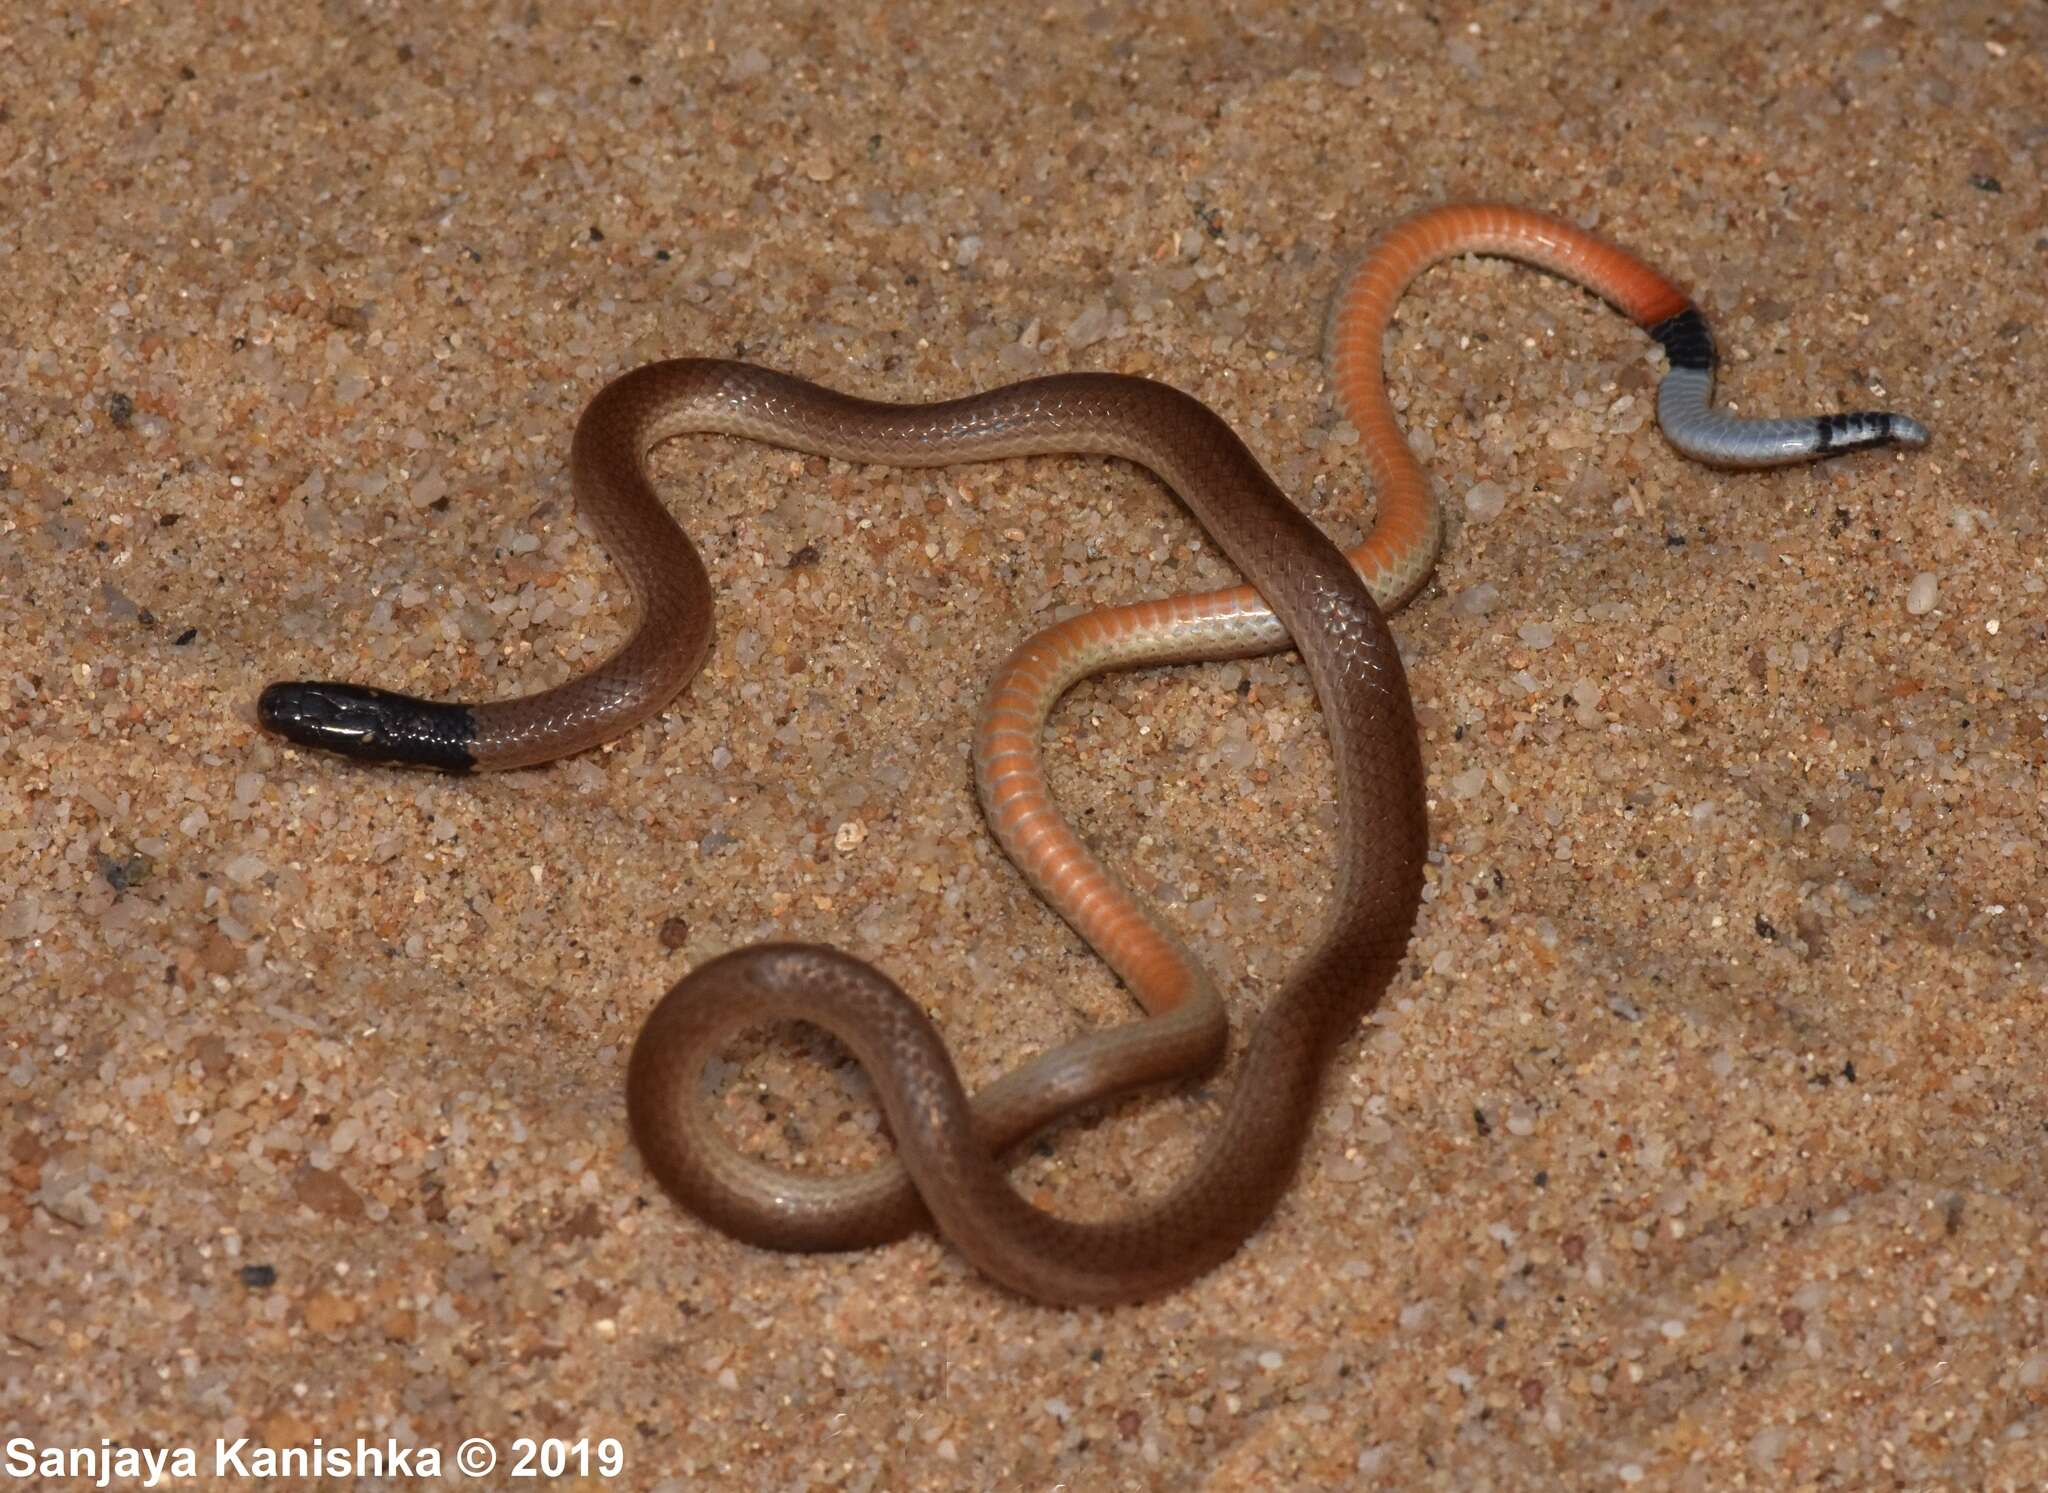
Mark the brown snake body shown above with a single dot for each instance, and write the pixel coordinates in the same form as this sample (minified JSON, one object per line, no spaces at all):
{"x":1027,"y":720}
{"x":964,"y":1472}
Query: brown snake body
{"x":1300,"y":587}
{"x":950,"y":1157}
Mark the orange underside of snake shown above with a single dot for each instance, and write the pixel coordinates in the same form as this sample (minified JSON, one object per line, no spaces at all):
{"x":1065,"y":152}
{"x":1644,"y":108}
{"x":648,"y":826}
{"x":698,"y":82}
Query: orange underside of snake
{"x":1301,"y":592}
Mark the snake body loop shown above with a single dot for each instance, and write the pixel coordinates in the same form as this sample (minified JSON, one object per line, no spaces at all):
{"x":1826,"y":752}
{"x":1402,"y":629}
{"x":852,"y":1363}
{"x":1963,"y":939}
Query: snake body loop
{"x":1300,"y":589}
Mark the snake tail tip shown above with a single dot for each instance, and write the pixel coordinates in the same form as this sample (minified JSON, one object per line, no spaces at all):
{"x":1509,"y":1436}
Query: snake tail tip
{"x":370,"y":725}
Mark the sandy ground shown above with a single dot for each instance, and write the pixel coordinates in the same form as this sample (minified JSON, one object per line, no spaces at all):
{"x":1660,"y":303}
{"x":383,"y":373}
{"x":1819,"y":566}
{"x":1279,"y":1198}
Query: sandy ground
{"x":1697,"y":1146}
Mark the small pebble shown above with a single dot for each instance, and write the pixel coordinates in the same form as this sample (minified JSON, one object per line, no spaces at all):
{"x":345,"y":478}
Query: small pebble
{"x":1484,"y":501}
{"x":1476,"y":601}
{"x":1920,"y":595}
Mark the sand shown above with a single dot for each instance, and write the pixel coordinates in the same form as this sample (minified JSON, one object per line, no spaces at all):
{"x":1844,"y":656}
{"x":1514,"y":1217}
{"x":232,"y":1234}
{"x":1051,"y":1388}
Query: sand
{"x":1697,"y":1144}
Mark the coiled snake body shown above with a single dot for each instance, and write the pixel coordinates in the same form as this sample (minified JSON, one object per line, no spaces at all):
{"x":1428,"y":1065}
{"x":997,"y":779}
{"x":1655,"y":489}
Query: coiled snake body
{"x":1300,"y":588}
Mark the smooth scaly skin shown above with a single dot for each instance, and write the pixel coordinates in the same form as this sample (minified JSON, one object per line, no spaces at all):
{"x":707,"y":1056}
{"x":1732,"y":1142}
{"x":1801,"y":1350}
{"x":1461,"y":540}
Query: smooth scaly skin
{"x":946,"y":1145}
{"x":1235,"y":1182}
{"x":1394,"y":559}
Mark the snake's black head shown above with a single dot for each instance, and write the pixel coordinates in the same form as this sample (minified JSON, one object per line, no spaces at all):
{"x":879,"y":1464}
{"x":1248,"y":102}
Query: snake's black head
{"x":370,"y":725}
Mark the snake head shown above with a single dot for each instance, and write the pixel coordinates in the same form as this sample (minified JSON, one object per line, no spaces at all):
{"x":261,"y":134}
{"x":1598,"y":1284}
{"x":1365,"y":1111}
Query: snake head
{"x":370,"y":725}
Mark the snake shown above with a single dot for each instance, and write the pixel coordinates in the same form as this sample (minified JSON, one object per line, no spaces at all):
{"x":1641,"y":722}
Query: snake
{"x":1300,"y":590}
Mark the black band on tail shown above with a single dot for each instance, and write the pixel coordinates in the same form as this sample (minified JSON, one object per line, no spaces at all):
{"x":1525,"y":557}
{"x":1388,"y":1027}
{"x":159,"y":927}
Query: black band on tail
{"x":371,"y":725}
{"x":1687,"y":342}
{"x":1854,"y":432}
